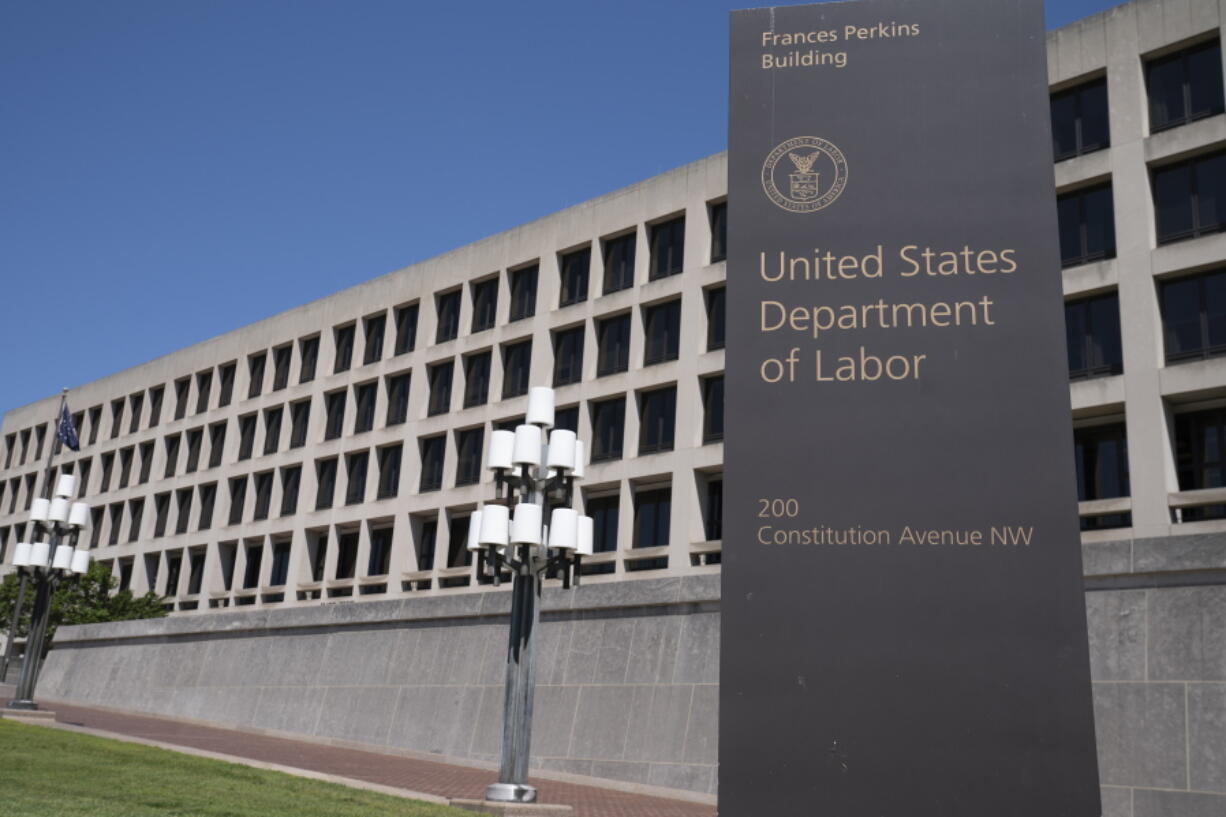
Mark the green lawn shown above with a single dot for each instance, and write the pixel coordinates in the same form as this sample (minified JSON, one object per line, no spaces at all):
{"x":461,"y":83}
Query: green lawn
{"x":53,"y":773}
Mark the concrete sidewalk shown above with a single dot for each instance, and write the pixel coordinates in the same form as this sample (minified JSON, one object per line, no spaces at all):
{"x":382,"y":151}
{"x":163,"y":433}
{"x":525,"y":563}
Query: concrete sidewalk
{"x":370,"y":769}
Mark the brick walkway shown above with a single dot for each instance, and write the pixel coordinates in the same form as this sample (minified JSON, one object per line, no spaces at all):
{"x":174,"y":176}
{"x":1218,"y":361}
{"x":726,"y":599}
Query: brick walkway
{"x":389,"y":770}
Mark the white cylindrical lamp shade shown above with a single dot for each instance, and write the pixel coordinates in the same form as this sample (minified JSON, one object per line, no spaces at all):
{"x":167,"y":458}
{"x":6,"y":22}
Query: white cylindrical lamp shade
{"x":502,"y":449}
{"x":40,"y":554}
{"x":586,"y":536}
{"x":563,"y":528}
{"x":66,"y":485}
{"x":495,"y":525}
{"x":527,"y":450}
{"x":63,"y":557}
{"x":21,"y":556}
{"x":78,"y":517}
{"x":526,"y":525}
{"x":40,"y":510}
{"x":80,"y":561}
{"x":579,"y":468}
{"x":474,"y":532}
{"x":59,"y":509}
{"x":540,"y":406}
{"x":561,"y":449}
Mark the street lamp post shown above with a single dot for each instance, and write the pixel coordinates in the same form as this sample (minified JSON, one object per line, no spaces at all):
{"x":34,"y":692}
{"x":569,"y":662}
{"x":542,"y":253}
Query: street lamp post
{"x":46,"y":564}
{"x":530,"y":529}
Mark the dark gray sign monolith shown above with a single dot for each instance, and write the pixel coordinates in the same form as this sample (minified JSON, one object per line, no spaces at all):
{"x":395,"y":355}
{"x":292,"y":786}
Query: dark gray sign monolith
{"x":903,"y":617}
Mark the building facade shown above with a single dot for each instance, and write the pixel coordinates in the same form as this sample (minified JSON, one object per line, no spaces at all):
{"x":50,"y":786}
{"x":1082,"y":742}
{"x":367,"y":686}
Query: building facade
{"x":333,"y":453}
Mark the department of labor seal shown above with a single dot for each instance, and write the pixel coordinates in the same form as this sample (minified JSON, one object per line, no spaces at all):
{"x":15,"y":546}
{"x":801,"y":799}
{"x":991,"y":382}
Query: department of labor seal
{"x":812,"y":178}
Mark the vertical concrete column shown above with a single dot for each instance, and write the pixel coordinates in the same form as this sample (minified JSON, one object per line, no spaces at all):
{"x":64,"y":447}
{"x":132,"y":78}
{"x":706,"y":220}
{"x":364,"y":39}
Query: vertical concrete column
{"x":595,"y":276}
{"x":642,"y":253}
{"x":625,"y":522}
{"x":363,"y":558}
{"x":330,"y":555}
{"x":683,"y":510}
{"x":299,"y":563}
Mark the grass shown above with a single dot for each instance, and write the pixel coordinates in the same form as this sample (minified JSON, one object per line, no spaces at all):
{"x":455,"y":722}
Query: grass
{"x":54,"y":773}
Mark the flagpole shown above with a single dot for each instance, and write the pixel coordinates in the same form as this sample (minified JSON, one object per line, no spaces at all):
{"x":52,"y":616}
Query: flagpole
{"x":55,"y":443}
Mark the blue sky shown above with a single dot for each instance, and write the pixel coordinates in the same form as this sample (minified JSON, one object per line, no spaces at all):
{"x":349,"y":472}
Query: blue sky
{"x":170,"y":171}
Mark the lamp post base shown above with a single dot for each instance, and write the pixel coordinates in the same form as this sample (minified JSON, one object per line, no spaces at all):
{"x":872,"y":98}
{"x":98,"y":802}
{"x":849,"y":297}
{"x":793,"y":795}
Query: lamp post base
{"x":510,"y":793}
{"x":24,"y":704}
{"x":505,"y":809}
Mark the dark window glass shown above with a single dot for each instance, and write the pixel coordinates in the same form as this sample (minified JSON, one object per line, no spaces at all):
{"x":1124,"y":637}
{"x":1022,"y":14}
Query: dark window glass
{"x":272,"y":429}
{"x":568,"y":356}
{"x":156,"y":395}
{"x":667,"y":248}
{"x":174,"y":562}
{"x":433,"y":450}
{"x":325,"y":472}
{"x":309,"y":352}
{"x":1079,"y":122}
{"x":263,"y":494}
{"x":183,"y":387}
{"x":317,"y":545}
{"x":575,"y":267}
{"x":1194,"y":316}
{"x":440,"y":375}
{"x":346,"y":555}
{"x":485,"y":304}
{"x":476,"y":379}
{"x":567,"y":418}
{"x":1092,"y":326}
{"x":172,"y":460}
{"x":217,"y":443}
{"x":280,"y":564}
{"x":719,"y":231}
{"x":715,"y":318}
{"x":657,"y":420}
{"x":116,"y":522}
{"x":619,"y":263}
{"x":183,"y":498}
{"x":208,"y":498}
{"x":389,"y":470}
{"x":523,"y":293}
{"x":125,"y":466}
{"x":713,"y":409}
{"x":426,"y":543}
{"x":161,"y":513}
{"x":356,"y":465}
{"x":713,"y":511}
{"x":282,"y":356}
{"x":238,"y":497}
{"x":1087,"y":225}
{"x":406,"y":328}
{"x":343,"y":338}
{"x":246,"y":436}
{"x":135,"y":404}
{"x":448,"y":306}
{"x":397,"y":398}
{"x":146,"y":463}
{"x":1184,"y":86}
{"x":458,"y":555}
{"x":95,"y":421}
{"x":1190,"y":198}
{"x":516,"y":368}
{"x":604,"y":512}
{"x":663,"y":332}
{"x":136,"y":510}
{"x":364,"y":397}
{"x":226,"y":392}
{"x":291,"y":481}
{"x":1102,"y":471}
{"x":613,"y":339}
{"x":116,"y":425}
{"x":608,"y":428}
{"x":84,"y":469}
{"x":652,"y":515}
{"x":1200,"y":458}
{"x":300,"y":420}
{"x":334,"y":406}
{"x":468,"y":454}
{"x":255,"y":365}
{"x":204,"y":385}
{"x":195,"y":579}
{"x":195,"y":442}
{"x":125,"y":575}
{"x":251,"y":573}
{"x":380,"y":560}
{"x":375,"y":327}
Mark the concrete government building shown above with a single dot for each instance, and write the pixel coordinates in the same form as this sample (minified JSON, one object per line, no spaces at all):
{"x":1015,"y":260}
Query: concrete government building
{"x":299,"y":489}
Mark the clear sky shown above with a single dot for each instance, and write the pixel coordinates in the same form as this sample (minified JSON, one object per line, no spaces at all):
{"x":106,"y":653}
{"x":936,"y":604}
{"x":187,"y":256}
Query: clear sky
{"x":170,"y":171}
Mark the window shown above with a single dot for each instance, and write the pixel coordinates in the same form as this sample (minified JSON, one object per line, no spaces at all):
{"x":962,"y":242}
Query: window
{"x":342,"y":337}
{"x":238,"y":497}
{"x":575,"y":267}
{"x":251,"y":573}
{"x":1087,"y":225}
{"x":608,"y":427}
{"x":652,"y":516}
{"x":146,"y":464}
{"x":458,"y":555}
{"x":135,"y":404}
{"x":432,"y":452}
{"x":280,"y":564}
{"x":448,"y":307}
{"x":476,"y":379}
{"x":468,"y":454}
{"x":263,"y":495}
{"x":208,"y":498}
{"x":567,"y":418}
{"x":195,"y":443}
{"x":291,"y":481}
{"x":364,"y":396}
{"x":713,"y":511}
{"x":657,"y":420}
{"x":397,"y":398}
{"x":217,"y":443}
{"x":715,"y":318}
{"x":406,"y":328}
{"x":346,"y":555}
{"x":375,"y":327}
{"x":136,"y":510}
{"x":334,"y":407}
{"x":1079,"y":122}
{"x":95,"y":420}
{"x":172,"y":460}
{"x":116,"y":514}
{"x":667,"y":248}
{"x":204,"y":388}
{"x":1190,"y":198}
{"x":1200,"y":458}
{"x":440,"y":376}
{"x":183,"y":387}
{"x":1184,"y":86}
{"x":568,"y":356}
{"x":156,"y":395}
{"x":325,"y":472}
{"x":604,"y":511}
{"x":282,"y":357}
{"x":174,"y":562}
{"x":317,"y":545}
{"x":255,"y":365}
{"x":161,"y":513}
{"x":116,"y":425}
{"x":713,"y":409}
{"x":226,"y":392}
{"x":485,"y":304}
{"x":619,"y":263}
{"x":308,"y":352}
{"x":1194,"y":316}
{"x":425,"y":544}
{"x":663,"y":332}
{"x":84,"y":469}
{"x":613,"y":339}
{"x":1092,"y":326}
{"x":195,"y":577}
{"x":516,"y":368}
{"x":1102,"y":471}
{"x":125,"y":467}
{"x":380,"y":560}
{"x":719,"y":231}
{"x":246,"y":436}
{"x":389,"y":471}
{"x":523,"y":293}
{"x":356,"y":466}
{"x":300,"y":420}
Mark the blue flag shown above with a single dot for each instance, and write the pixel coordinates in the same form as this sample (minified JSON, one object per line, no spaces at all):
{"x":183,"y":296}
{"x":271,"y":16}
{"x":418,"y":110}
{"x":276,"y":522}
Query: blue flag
{"x":66,"y":430}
